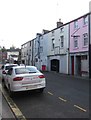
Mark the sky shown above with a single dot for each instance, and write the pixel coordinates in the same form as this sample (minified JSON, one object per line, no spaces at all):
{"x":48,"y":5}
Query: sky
{"x":20,"y":20}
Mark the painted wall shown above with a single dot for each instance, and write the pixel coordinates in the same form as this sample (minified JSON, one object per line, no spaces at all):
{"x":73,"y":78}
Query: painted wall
{"x":44,"y":51}
{"x":56,"y":36}
{"x":41,"y":54}
{"x":58,"y":52}
{"x":26,"y":50}
{"x":79,"y":31}
{"x":62,"y":63}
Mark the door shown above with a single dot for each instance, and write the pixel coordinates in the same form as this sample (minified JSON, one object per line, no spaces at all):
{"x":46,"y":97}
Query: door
{"x":72,"y":67}
{"x":78,"y":65}
{"x":8,"y":77}
{"x":55,"y":65}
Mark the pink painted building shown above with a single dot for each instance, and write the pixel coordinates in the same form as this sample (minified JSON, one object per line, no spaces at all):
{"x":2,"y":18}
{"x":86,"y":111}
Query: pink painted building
{"x":79,"y":42}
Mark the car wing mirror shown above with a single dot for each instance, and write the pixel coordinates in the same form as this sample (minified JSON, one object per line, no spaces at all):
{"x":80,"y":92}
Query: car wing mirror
{"x":3,"y":72}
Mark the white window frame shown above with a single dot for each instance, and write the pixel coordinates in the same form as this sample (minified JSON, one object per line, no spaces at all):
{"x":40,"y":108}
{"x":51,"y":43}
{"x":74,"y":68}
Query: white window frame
{"x":75,"y":41}
{"x":41,"y":49}
{"x":75,"y":24}
{"x":53,"y":43}
{"x":85,"y":39}
{"x":61,"y":29}
{"x":52,"y":32}
{"x":62,"y":41}
{"x":85,"y":20}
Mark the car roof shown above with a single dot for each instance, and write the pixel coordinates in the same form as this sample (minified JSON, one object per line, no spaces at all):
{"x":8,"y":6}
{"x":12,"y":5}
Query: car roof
{"x":10,"y":64}
{"x":24,"y":66}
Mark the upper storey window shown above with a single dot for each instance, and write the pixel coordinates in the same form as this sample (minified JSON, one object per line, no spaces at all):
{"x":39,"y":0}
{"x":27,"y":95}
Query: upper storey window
{"x":75,"y":24}
{"x":53,"y":43}
{"x":75,"y":42}
{"x":52,"y":32}
{"x":30,"y":43}
{"x":61,"y":29}
{"x":62,"y":41}
{"x":85,"y":20}
{"x":85,"y":39}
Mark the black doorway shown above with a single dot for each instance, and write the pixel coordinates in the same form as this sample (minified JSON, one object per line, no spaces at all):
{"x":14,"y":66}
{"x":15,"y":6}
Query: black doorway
{"x":55,"y":65}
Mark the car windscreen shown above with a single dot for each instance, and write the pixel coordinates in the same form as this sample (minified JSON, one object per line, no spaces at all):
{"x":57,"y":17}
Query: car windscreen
{"x":32,"y":70}
{"x":21,"y":71}
{"x":25,"y":70}
{"x":10,"y":66}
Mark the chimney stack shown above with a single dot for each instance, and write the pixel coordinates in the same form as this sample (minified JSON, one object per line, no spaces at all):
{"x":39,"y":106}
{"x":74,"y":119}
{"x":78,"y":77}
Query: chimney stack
{"x":59,"y":23}
{"x":45,"y":31}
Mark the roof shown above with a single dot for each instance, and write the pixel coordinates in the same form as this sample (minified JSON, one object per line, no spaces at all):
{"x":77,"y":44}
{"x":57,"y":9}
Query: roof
{"x":13,"y":50}
{"x":62,"y":25}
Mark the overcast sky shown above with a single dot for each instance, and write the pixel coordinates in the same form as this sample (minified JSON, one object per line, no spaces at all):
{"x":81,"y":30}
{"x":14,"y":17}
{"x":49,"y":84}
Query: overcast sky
{"x":20,"y":20}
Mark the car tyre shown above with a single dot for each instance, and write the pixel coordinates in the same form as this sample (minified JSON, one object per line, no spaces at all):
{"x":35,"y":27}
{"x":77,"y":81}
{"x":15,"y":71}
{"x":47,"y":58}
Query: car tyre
{"x":41,"y":90}
{"x":11,"y":93}
{"x":3,"y":83}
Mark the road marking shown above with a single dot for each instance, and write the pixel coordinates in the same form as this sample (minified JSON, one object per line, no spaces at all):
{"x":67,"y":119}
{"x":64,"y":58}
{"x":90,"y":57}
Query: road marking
{"x":16,"y":111}
{"x":62,"y":99}
{"x":82,"y":109}
{"x":50,"y":93}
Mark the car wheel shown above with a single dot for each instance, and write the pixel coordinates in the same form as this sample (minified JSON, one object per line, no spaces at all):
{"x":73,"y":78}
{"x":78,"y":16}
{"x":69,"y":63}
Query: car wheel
{"x":41,"y":90}
{"x":11,"y":93}
{"x":2,"y":80}
{"x":4,"y":84}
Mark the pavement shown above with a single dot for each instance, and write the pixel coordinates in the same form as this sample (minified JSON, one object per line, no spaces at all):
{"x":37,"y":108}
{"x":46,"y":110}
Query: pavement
{"x":8,"y":109}
{"x":5,"y":110}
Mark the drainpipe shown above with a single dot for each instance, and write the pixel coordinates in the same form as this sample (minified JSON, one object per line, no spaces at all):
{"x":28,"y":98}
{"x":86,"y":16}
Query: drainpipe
{"x":69,"y":63}
{"x":89,"y":29}
{"x":32,"y":51}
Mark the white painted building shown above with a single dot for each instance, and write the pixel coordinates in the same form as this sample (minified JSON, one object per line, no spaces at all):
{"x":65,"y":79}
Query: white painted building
{"x":50,"y":50}
{"x":58,"y":49}
{"x":26,"y":53}
{"x":12,"y":55}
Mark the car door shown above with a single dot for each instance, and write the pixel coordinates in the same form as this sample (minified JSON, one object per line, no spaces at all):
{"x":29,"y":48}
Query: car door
{"x":8,"y":78}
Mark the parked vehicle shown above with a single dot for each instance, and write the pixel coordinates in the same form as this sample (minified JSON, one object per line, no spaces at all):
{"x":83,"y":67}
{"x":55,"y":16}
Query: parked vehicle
{"x":5,"y":68}
{"x":23,"y":78}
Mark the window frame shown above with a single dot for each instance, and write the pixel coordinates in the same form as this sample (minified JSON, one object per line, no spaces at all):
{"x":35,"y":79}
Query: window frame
{"x":41,"y":49}
{"x":61,"y":29}
{"x":53,"y":43}
{"x":85,"y":20}
{"x":62,"y":41}
{"x":85,"y":39}
{"x":53,"y":32}
{"x":75,"y":41}
{"x":75,"y":24}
